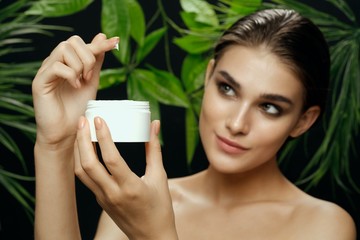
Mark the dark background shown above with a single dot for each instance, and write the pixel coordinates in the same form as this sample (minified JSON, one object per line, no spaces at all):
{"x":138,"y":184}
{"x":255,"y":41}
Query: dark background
{"x":13,"y":221}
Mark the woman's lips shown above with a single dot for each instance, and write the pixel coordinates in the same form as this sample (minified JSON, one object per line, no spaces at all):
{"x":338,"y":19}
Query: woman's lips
{"x":229,"y":146}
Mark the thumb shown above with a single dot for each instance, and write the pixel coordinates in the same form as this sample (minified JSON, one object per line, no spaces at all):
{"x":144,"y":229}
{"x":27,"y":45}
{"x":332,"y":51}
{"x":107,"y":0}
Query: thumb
{"x":154,"y":164}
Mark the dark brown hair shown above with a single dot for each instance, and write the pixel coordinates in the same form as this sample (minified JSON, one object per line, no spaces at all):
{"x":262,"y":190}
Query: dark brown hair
{"x":294,"y":39}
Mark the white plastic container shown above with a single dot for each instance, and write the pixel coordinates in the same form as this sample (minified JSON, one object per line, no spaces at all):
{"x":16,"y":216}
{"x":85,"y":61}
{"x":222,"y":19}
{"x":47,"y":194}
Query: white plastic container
{"x":128,"y":121}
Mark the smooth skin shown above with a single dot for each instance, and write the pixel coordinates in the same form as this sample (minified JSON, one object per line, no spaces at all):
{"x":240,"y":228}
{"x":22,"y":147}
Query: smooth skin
{"x":252,"y":103}
{"x":67,"y":79}
{"x":139,"y":206}
{"x":242,"y":195}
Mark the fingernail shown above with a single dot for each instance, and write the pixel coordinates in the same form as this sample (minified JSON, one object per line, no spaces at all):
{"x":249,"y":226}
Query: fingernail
{"x":157,"y":127}
{"x":98,"y":123}
{"x":81,"y":123}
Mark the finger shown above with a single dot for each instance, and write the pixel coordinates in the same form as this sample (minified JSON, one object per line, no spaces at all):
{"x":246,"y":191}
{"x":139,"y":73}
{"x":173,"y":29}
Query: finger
{"x":154,"y":164}
{"x":111,"y":156}
{"x":81,"y":174}
{"x":64,"y":63}
{"x":54,"y":72}
{"x":58,"y":55}
{"x":84,"y":54}
{"x":101,"y":44}
{"x":88,"y":160}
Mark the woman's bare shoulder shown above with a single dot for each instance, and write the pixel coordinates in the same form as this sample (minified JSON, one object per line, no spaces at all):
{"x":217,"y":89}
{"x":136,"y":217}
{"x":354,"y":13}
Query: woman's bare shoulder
{"x":183,"y":187}
{"x":325,"y":220}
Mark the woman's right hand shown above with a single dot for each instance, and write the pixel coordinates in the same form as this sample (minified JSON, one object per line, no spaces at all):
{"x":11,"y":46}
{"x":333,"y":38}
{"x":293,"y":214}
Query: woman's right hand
{"x":140,"y":207}
{"x":67,"y":79}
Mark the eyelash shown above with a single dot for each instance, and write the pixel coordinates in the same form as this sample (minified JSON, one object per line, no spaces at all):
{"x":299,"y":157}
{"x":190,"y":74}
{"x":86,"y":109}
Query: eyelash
{"x":225,"y":88}
{"x":278,"y":109}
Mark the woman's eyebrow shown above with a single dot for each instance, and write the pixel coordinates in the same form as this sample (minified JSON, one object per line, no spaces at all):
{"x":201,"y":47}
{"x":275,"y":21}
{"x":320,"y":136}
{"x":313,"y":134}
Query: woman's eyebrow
{"x":229,"y":78}
{"x":277,"y":98}
{"x":268,"y":96}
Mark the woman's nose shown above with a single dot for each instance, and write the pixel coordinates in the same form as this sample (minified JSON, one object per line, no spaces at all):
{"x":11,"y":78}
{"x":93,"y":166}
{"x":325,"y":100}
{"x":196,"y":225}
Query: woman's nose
{"x":238,"y":121}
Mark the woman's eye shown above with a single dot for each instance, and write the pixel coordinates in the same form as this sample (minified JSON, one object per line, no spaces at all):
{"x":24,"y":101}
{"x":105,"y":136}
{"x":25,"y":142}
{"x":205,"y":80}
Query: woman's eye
{"x":226,"y":89}
{"x":271,"y":109}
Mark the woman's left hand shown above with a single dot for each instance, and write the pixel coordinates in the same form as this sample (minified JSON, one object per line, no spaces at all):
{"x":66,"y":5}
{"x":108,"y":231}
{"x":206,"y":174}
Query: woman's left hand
{"x":141,"y":207}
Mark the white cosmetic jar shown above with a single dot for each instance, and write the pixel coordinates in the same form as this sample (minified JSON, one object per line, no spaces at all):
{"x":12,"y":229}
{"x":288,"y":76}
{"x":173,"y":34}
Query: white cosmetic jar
{"x":127,"y":120}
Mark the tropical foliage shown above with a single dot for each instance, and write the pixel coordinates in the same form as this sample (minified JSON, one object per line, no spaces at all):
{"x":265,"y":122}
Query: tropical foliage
{"x":202,"y":22}
{"x":16,"y":111}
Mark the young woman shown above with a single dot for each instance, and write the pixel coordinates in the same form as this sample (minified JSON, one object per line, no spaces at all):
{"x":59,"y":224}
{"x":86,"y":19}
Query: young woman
{"x":267,"y":83}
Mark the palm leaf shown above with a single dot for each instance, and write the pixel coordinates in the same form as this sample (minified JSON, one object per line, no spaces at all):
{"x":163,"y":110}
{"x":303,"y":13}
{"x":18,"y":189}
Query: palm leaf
{"x":9,"y":143}
{"x":16,"y":109}
{"x":10,"y":182}
{"x":53,"y":8}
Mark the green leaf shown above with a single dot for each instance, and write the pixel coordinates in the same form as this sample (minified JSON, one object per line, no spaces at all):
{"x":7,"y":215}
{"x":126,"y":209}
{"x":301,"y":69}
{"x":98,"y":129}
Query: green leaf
{"x":115,"y":21}
{"x":135,"y":91}
{"x":150,"y":42}
{"x":192,"y":134}
{"x":18,"y":73}
{"x":12,"y":117}
{"x":111,"y":77}
{"x":20,"y":96}
{"x":24,"y":127}
{"x":193,"y":72}
{"x":10,"y":10}
{"x":16,"y":176}
{"x":203,"y":10}
{"x":318,"y":17}
{"x":242,"y":7}
{"x":344,"y":7}
{"x":189,"y":19}
{"x":16,"y":105}
{"x":196,"y":100}
{"x":17,"y":114}
{"x":17,"y":191}
{"x":11,"y":41}
{"x":53,"y":8}
{"x":10,"y":144}
{"x":234,"y":9}
{"x":194,"y":44}
{"x":137,"y":22}
{"x":163,"y":86}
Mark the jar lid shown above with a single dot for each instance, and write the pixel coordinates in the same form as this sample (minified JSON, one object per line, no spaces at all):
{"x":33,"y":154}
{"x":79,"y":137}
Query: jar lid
{"x":116,"y":104}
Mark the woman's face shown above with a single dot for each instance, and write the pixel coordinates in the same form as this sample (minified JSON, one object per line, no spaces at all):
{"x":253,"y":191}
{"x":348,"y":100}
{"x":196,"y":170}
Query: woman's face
{"x":252,"y":103}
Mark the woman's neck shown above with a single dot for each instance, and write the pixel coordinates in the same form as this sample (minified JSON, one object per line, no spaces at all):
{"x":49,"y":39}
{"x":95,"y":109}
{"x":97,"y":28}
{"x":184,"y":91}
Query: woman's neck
{"x":265,"y":183}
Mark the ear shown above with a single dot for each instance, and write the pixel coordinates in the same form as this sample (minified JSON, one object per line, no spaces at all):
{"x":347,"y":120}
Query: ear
{"x":305,"y":121}
{"x":209,"y":71}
